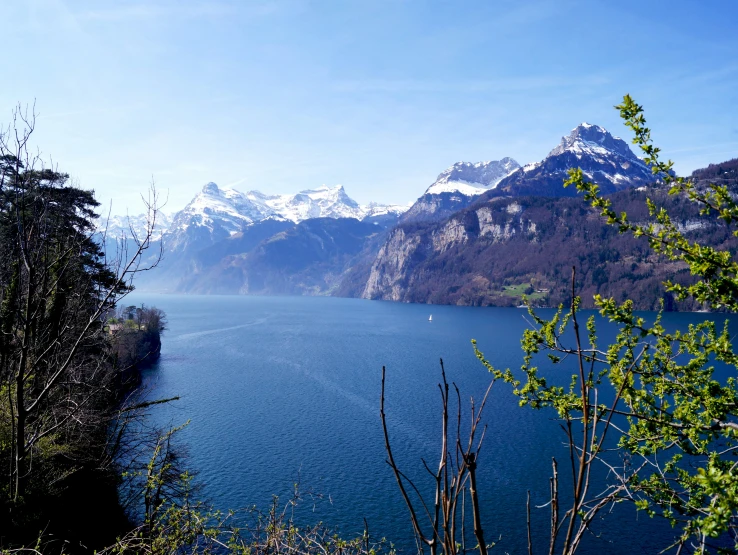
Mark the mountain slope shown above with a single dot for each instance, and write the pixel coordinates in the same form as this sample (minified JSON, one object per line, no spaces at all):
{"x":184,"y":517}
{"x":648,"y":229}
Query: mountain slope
{"x":224,"y":222}
{"x":501,"y":247}
{"x":213,"y":215}
{"x":725,"y":173}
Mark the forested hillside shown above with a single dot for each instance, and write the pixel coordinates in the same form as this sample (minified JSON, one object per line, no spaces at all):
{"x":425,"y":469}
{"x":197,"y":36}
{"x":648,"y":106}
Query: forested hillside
{"x":725,"y":173}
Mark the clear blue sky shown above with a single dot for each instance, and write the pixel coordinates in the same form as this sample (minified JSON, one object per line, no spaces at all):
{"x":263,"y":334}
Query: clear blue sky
{"x":379,"y":96}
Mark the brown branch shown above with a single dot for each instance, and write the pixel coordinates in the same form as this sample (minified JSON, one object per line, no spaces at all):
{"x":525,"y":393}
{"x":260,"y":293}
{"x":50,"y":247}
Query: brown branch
{"x":527,"y":521}
{"x":395,"y":470}
{"x":554,"y":506}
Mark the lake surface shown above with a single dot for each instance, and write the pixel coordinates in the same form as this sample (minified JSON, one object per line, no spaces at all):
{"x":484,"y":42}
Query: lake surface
{"x":286,"y":389}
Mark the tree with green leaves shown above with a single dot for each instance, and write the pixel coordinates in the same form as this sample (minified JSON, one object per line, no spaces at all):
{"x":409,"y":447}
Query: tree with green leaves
{"x":649,"y":406}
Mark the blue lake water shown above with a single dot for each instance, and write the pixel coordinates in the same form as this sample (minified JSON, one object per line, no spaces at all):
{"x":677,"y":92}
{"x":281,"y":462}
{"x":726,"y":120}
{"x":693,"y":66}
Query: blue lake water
{"x":281,"y":389}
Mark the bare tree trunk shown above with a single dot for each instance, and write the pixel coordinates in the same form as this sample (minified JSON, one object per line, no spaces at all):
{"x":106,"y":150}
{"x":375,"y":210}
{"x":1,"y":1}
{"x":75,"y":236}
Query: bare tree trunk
{"x":450,"y":480}
{"x":471,"y":464}
{"x":527,"y":520}
{"x":20,"y":385}
{"x":554,"y":507}
{"x":582,"y":462}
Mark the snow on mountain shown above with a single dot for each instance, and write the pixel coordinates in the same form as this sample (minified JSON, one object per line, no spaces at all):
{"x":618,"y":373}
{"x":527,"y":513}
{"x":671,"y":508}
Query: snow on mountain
{"x":216,"y":213}
{"x":118,"y":227}
{"x":373,"y":209}
{"x":603,"y":158}
{"x":598,"y":144}
{"x":457,"y":187}
{"x":323,"y":202}
{"x":472,"y":179}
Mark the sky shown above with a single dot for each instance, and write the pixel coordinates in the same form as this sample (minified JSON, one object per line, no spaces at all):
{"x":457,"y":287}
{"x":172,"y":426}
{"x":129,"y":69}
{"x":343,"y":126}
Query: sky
{"x":378,"y":96}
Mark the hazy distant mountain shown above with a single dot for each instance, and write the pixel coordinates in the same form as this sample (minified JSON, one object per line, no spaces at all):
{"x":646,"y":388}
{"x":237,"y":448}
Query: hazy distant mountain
{"x":457,"y":186}
{"x":117,"y":227}
{"x":216,"y":214}
{"x":308,"y":258}
{"x":220,"y":223}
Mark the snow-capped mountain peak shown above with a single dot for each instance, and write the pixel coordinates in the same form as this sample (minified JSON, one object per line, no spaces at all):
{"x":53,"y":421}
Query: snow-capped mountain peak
{"x":603,"y":158}
{"x":321,"y":202}
{"x":210,"y":189}
{"x":457,"y":187}
{"x":593,"y":140}
{"x":472,"y":179}
{"x":214,"y":214}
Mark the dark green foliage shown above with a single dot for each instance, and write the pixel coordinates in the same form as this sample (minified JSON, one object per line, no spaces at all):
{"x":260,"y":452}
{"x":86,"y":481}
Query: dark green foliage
{"x":53,"y":377}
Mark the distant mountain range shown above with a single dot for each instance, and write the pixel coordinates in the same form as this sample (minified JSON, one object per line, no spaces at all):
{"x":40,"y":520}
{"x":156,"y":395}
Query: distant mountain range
{"x":220,"y":230}
{"x":216,"y":214}
{"x":221,"y":212}
{"x":482,"y":234}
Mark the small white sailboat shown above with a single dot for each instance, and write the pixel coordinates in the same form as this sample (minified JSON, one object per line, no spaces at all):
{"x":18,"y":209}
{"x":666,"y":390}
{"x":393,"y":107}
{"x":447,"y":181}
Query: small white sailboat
{"x":430,"y":318}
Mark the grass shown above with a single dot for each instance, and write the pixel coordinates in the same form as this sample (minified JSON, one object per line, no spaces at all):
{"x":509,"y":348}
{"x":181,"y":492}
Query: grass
{"x":519,"y":290}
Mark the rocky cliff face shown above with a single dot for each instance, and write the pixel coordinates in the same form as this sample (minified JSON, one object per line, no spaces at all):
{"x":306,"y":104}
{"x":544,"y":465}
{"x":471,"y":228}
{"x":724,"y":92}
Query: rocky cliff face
{"x":433,"y":207}
{"x":415,"y":254}
{"x":388,"y":275}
